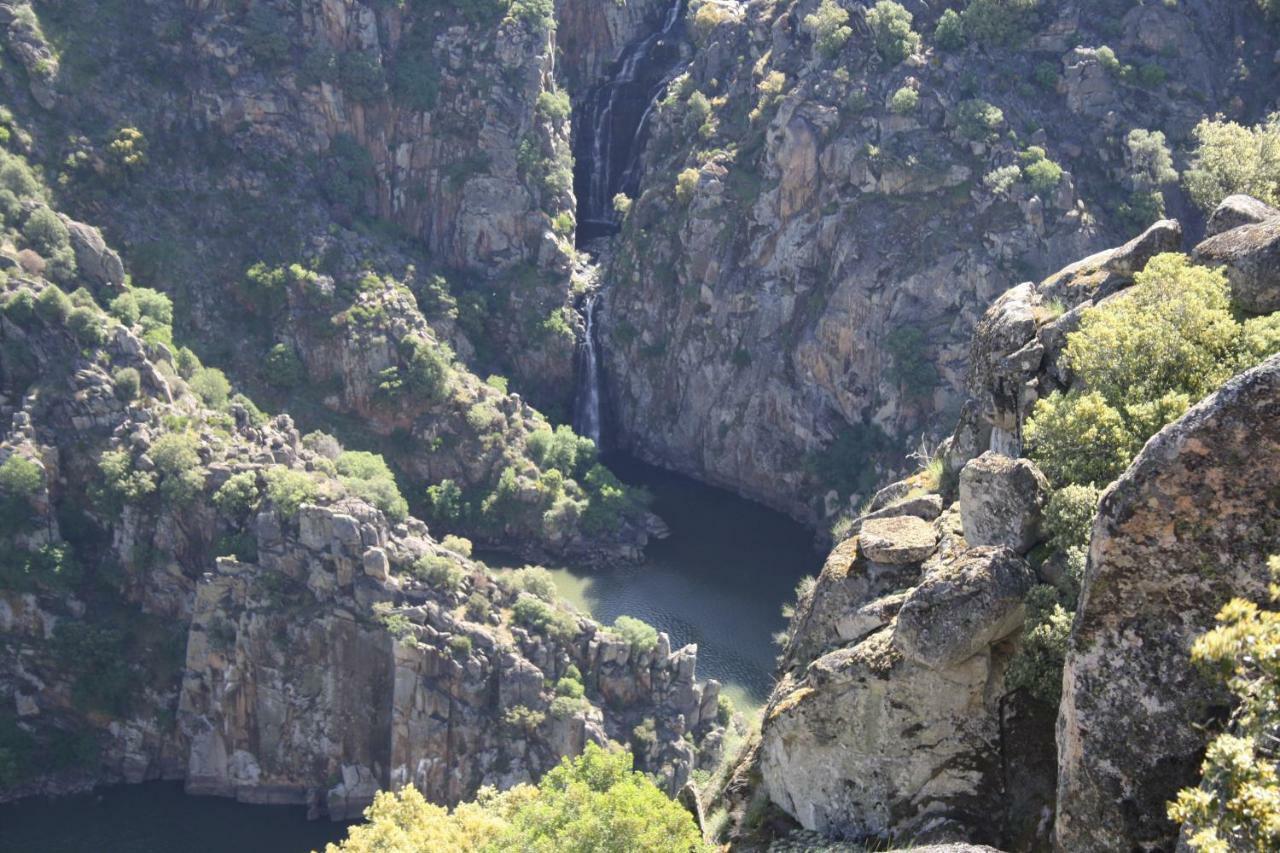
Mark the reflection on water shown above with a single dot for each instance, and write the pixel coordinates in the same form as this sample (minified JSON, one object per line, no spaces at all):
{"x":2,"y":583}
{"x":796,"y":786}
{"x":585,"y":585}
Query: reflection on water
{"x":720,"y":580}
{"x":156,"y":818}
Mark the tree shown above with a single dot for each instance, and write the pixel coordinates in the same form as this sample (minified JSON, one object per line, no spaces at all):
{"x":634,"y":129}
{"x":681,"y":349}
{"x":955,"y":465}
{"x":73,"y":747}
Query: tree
{"x":891,"y":30}
{"x":1230,"y":158}
{"x":591,"y":804}
{"x":368,"y":476}
{"x":829,"y":26}
{"x":998,"y":22}
{"x":949,"y":34}
{"x":1237,"y":804}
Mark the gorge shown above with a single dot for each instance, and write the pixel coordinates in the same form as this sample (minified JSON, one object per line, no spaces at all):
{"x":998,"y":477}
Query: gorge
{"x":775,"y":424}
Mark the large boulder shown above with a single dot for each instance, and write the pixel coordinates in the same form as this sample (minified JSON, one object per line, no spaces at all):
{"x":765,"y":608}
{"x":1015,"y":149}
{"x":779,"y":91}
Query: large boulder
{"x":1250,"y":256}
{"x":963,"y":606}
{"x":1002,"y":501}
{"x":1189,"y":526}
{"x":96,"y":261}
{"x":1237,"y":210}
{"x":898,"y":540}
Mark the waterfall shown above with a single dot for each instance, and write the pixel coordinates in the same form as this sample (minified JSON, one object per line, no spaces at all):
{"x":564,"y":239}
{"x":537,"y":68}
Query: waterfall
{"x":611,"y":123}
{"x":586,"y":420}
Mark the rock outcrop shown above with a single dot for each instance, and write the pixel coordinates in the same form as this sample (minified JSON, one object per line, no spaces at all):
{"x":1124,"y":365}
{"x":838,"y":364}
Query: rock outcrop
{"x":1187,"y":527}
{"x":1250,"y":256}
{"x":1001,"y":501}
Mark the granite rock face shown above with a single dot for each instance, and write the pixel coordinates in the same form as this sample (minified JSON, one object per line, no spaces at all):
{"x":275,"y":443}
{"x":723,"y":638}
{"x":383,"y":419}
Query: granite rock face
{"x":1001,"y":501}
{"x":1186,"y":528}
{"x":1250,"y":256}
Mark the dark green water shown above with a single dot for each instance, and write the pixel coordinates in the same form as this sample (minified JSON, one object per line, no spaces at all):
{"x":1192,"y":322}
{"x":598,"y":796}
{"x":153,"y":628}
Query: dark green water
{"x":720,"y":580}
{"x":157,"y":818}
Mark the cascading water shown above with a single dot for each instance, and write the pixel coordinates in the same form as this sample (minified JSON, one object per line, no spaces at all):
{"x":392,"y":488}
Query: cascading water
{"x":610,"y":126}
{"x":611,"y":123}
{"x":587,"y":406}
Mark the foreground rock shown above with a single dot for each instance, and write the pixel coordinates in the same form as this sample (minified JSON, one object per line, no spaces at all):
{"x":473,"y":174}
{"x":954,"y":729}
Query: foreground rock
{"x":1250,"y":255}
{"x":1001,"y":501}
{"x":1187,"y":527}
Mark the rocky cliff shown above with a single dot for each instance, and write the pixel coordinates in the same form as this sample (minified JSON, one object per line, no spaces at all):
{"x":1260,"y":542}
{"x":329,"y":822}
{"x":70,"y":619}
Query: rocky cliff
{"x":823,"y":223}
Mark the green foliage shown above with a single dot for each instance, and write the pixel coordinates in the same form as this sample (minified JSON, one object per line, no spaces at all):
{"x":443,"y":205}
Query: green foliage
{"x":20,"y":481}
{"x":608,"y":500}
{"x":446,"y":501}
{"x":127,"y":383}
{"x":289,"y":489}
{"x":346,"y":175}
{"x":562,"y":450}
{"x":149,"y":309}
{"x":460,"y":645}
{"x":687,"y":185}
{"x":535,"y":614}
{"x":1150,"y":161}
{"x":53,"y":306}
{"x":891,"y":30}
{"x":212,"y":387}
{"x":283,"y":367}
{"x":976,"y":119}
{"x":1237,"y":804}
{"x":367,"y":475}
{"x":642,"y":636}
{"x":428,"y":366}
{"x":1002,"y":180}
{"x":1037,"y":665}
{"x":121,"y":483}
{"x":267,"y":34}
{"x":178,"y":464}
{"x":20,"y":306}
{"x":1230,"y":158}
{"x":949,"y":34}
{"x":238,"y":495}
{"x":554,"y":105}
{"x":994,"y":23}
{"x":87,"y":325}
{"x":96,"y":659}
{"x":910,"y":366}
{"x":589,"y":804}
{"x":439,"y":571}
{"x":904,"y":101}
{"x":1068,"y":518}
{"x":829,"y":27}
{"x":360,"y":74}
{"x":45,"y":232}
{"x":478,"y":607}
{"x":1042,"y":174}
{"x":1144,"y":358}
{"x":539,"y":13}
{"x":534,"y":580}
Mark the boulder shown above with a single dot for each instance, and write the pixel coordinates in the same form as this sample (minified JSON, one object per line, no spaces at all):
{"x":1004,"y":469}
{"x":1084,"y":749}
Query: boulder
{"x":1002,"y":501}
{"x":898,"y":540}
{"x":1237,"y":210}
{"x":963,"y":606}
{"x":95,"y":261}
{"x":1250,"y":256}
{"x":1188,"y":527}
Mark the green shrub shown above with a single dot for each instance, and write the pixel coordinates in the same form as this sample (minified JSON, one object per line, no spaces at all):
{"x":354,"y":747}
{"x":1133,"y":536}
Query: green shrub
{"x":534,"y":580}
{"x":1068,"y":518}
{"x":562,"y":450}
{"x":178,"y":464}
{"x":538,"y":13}
{"x":45,"y":232}
{"x":1230,"y":158}
{"x":428,"y":367}
{"x":829,"y":27}
{"x":20,"y":307}
{"x":53,"y":306}
{"x":891,"y":30}
{"x":535,"y":614}
{"x":1002,"y":180}
{"x":284,"y":368}
{"x":687,"y":185}
{"x":267,"y":34}
{"x":212,"y":387}
{"x":439,"y":571}
{"x":458,"y":545}
{"x":360,"y":75}
{"x":999,"y":22}
{"x":346,"y":174}
{"x":910,"y":366}
{"x":127,"y":382}
{"x":98,"y":663}
{"x":642,"y":636}
{"x":20,"y":481}
{"x":1042,"y":174}
{"x":976,"y":119}
{"x":121,"y":483}
{"x":367,"y":475}
{"x":949,"y":34}
{"x":478,"y":607}
{"x":1037,"y":665}
{"x":238,"y":495}
{"x":446,"y":501}
{"x":904,"y":101}
{"x":415,"y":76}
{"x":460,"y":645}
{"x":87,"y":325}
{"x":289,"y":489}
{"x":554,"y":105}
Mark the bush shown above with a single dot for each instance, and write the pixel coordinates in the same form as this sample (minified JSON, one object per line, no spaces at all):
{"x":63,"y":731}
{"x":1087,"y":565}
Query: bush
{"x":891,"y":30}
{"x":978,"y":120}
{"x":1042,"y":174}
{"x":1229,"y":158}
{"x":1001,"y":181}
{"x":554,"y":105}
{"x":439,"y":571}
{"x":427,"y":367}
{"x":1037,"y":665}
{"x":562,"y":450}
{"x":1068,"y":518}
{"x":238,"y":495}
{"x":87,"y":325}
{"x":829,"y":27}
{"x":1144,"y":357}
{"x":457,"y":545}
{"x":127,"y":382}
{"x":687,"y":185}
{"x":904,"y":101}
{"x":460,"y":645}
{"x":20,"y":481}
{"x":537,"y":615}
{"x":212,"y":387}
{"x":446,"y":501}
{"x":367,"y":475}
{"x":284,"y":368}
{"x":999,"y":22}
{"x":45,"y":231}
{"x":20,"y":307}
{"x":289,"y":489}
{"x":121,"y":483}
{"x":360,"y":75}
{"x":949,"y":34}
{"x":478,"y":607}
{"x":642,"y":636}
{"x":53,"y":306}
{"x":591,"y":803}
{"x":267,"y":34}
{"x":178,"y":464}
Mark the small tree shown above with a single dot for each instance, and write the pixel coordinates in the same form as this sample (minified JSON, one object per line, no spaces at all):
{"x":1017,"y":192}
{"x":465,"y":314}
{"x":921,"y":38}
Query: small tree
{"x":829,"y":26}
{"x":891,"y":29}
{"x":1230,"y":158}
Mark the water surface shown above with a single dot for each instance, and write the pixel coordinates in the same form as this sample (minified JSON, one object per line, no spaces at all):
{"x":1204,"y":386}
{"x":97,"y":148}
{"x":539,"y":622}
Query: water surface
{"x":719,"y":580}
{"x":157,"y":817}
